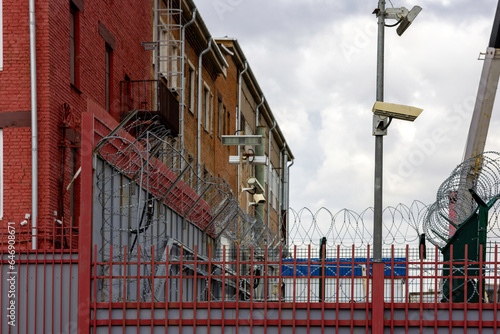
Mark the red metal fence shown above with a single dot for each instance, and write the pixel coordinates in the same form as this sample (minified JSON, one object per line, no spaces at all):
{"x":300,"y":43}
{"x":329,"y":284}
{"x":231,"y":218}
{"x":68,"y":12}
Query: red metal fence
{"x":260,"y":291}
{"x":247,"y":291}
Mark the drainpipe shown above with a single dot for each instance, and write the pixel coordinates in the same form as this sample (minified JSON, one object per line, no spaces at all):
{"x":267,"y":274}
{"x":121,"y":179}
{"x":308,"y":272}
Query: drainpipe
{"x":288,"y":196}
{"x":282,"y":178}
{"x":34,"y":128}
{"x":183,"y":93}
{"x":200,"y":96}
{"x":238,"y":123}
{"x":269,"y":171}
{"x":262,"y":99}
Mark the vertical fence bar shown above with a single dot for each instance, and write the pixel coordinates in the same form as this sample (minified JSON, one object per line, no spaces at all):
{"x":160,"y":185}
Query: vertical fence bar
{"x":322,"y":286}
{"x":337,"y":289}
{"x":480,"y":292}
{"x":252,"y":278}
{"x":94,"y":297}
{"x":280,"y":282}
{"x":496,"y":292}
{"x":436,"y":275}
{"x":421,"y":265}
{"x":167,"y":284}
{"x":352,"y":287}
{"x":28,"y":290}
{"x":124,"y":289}
{"x":138,"y":314}
{"x":266,"y":288}
{"x":367,"y":301}
{"x":466,"y":281}
{"x":52,"y":288}
{"x":294,"y":299}
{"x":309,"y":274}
{"x":152,"y":288}
{"x":237,"y":288}
{"x":392,"y":288}
{"x":195,"y":292}
{"x":110,"y":301}
{"x":223,"y":288}
{"x":209,"y":297}
{"x":407,"y":292}
{"x":450,"y":294}
{"x":181,"y":288}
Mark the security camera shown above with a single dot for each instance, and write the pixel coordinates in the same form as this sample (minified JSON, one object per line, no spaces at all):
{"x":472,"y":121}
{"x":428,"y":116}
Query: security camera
{"x":259,"y":199}
{"x":408,"y":19}
{"x":397,"y":111}
{"x":255,"y":186}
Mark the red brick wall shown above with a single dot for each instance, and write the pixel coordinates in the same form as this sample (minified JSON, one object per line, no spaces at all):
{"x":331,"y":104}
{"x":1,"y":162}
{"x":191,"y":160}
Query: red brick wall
{"x":128,"y":21}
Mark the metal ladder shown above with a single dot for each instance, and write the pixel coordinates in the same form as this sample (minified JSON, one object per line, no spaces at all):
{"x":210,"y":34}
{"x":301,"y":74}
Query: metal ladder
{"x":168,"y":58}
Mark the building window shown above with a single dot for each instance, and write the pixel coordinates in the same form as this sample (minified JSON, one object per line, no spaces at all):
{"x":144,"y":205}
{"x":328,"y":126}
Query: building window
{"x":211,"y":114}
{"x":221,"y":117}
{"x":109,"y":76}
{"x":74,"y":41}
{"x":1,"y":37}
{"x":1,"y":171}
{"x":191,"y":84}
{"x":206,"y":109}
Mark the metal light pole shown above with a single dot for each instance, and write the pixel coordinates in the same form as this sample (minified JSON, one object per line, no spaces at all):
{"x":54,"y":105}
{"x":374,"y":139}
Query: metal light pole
{"x":379,"y":139}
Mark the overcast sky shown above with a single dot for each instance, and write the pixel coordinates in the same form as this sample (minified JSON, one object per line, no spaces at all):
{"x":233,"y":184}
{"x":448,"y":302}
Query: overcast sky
{"x":315,"y":61}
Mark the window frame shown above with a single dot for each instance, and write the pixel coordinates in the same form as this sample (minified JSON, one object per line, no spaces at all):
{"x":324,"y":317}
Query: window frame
{"x":74,"y":45}
{"x":206,"y":108}
{"x":108,"y":73}
{"x":191,"y":83}
{"x":220,"y":118}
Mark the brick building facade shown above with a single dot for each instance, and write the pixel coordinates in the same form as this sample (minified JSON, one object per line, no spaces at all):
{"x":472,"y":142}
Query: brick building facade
{"x":93,"y":53}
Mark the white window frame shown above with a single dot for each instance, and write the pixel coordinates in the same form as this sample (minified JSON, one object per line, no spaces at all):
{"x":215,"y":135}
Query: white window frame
{"x":1,"y":172}
{"x":1,"y":37}
{"x":191,"y":81}
{"x":211,"y":115}
{"x":206,"y":108}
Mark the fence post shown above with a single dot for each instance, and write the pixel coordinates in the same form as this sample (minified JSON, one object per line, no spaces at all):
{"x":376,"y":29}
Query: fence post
{"x":378,"y":298}
{"x":85,"y":227}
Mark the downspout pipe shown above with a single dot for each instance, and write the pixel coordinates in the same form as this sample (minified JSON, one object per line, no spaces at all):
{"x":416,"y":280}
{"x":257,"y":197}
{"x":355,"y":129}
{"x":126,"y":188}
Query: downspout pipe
{"x":282,"y":178}
{"x":269,"y":171}
{"x":240,"y":79}
{"x":183,"y":92}
{"x":200,"y":96}
{"x":34,"y":128}
{"x":288,"y":197}
{"x":238,"y":124}
{"x":262,"y":99}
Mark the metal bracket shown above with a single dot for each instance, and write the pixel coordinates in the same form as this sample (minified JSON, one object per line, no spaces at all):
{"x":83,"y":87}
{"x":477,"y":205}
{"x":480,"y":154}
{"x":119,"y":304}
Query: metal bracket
{"x":379,"y":125}
{"x":396,"y":13}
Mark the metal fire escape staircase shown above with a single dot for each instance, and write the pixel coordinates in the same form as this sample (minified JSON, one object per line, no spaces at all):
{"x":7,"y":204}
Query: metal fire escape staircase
{"x":169,"y":58}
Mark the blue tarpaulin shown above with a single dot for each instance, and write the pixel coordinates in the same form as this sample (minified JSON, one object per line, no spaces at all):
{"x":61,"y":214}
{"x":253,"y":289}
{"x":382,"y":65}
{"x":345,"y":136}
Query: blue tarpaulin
{"x":344,"y":266}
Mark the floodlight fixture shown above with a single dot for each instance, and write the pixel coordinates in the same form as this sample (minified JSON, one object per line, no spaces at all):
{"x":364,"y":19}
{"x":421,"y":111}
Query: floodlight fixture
{"x":397,"y":111}
{"x":404,"y":17}
{"x":408,"y":19}
{"x":250,"y":140}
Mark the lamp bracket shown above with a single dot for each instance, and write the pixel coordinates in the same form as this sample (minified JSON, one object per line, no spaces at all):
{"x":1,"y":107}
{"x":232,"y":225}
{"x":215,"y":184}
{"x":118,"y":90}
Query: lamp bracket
{"x":380,"y":125}
{"x":396,"y":13}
